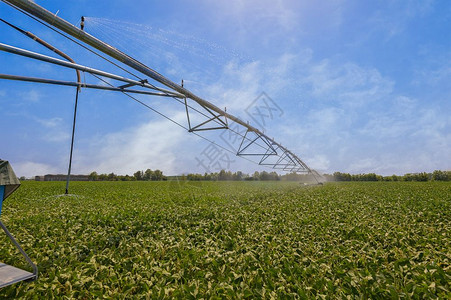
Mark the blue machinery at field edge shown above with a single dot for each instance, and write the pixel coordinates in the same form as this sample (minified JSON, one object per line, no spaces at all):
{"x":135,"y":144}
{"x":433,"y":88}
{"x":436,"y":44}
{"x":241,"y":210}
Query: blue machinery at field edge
{"x":9,"y":274}
{"x":273,"y":154}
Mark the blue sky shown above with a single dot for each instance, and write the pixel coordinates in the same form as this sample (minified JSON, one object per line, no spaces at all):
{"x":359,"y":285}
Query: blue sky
{"x":362,"y":86}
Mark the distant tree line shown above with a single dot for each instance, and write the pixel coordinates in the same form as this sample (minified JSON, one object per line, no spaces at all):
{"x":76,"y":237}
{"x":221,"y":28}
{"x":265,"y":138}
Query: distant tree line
{"x":158,"y":175}
{"x":240,"y":176}
{"x":229,"y":176}
{"x":223,"y":175}
{"x":337,"y":176}
{"x":437,"y":175}
{"x":147,"y":175}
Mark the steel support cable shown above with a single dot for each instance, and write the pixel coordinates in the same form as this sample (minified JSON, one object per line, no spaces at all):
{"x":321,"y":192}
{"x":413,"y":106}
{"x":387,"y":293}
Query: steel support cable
{"x":70,"y":29}
{"x":52,"y":60}
{"x":182,"y":126}
{"x":112,"y":88}
{"x":166,"y":82}
{"x":101,"y":56}
{"x":79,"y":83}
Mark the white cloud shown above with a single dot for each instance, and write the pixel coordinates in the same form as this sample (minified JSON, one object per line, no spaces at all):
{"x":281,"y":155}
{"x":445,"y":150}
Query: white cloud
{"x":29,"y":168}
{"x":437,"y":75}
{"x":416,"y":160}
{"x":50,"y":123}
{"x":238,"y":85}
{"x":31,"y":95}
{"x":347,"y":83}
{"x":269,"y":16}
{"x":396,"y":16}
{"x":55,"y":129}
{"x":319,"y":162}
{"x":56,"y":136}
{"x":250,"y":13}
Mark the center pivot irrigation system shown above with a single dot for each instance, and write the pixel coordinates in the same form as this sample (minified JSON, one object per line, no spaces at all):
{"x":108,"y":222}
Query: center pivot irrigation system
{"x":254,"y":142}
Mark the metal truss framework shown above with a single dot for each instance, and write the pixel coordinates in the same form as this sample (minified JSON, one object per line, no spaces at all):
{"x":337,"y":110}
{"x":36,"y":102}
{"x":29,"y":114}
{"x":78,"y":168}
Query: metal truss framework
{"x":254,"y":143}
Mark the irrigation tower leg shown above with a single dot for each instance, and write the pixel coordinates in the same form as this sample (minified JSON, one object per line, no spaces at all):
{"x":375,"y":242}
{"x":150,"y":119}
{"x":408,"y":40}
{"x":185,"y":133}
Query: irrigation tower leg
{"x":29,"y":261}
{"x":72,"y":141}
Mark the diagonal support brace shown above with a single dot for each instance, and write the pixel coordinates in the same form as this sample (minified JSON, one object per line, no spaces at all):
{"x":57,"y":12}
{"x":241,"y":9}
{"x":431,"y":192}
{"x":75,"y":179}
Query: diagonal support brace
{"x":269,"y":149}
{"x":215,"y":118}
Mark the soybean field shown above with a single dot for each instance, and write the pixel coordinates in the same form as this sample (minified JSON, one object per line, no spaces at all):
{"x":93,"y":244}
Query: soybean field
{"x":231,"y":240}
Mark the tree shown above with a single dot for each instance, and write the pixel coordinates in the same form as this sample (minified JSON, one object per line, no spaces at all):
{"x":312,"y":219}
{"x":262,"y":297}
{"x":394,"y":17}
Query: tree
{"x":148,"y":175}
{"x":395,"y":178}
{"x":342,"y":176}
{"x":157,"y":175}
{"x":438,"y":175}
{"x":93,"y":176}
{"x":274,"y":176}
{"x":222,"y":175}
{"x":264,"y":176}
{"x":194,"y":177}
{"x":238,"y":175}
{"x":138,"y":175}
{"x":422,"y":176}
{"x":126,"y":178}
{"x":256,"y":175}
